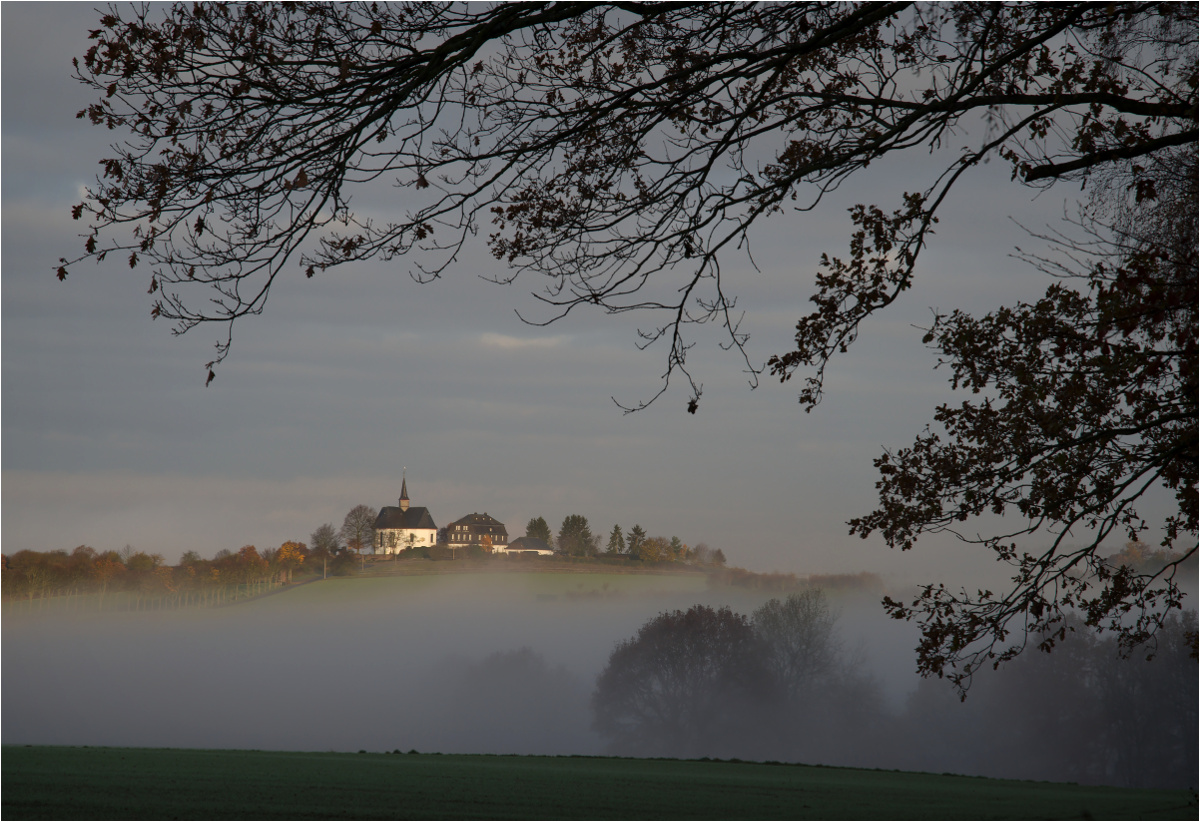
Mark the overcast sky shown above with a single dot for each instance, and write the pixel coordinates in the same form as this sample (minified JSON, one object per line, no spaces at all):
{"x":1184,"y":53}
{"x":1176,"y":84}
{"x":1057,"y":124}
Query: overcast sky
{"x":111,"y":438}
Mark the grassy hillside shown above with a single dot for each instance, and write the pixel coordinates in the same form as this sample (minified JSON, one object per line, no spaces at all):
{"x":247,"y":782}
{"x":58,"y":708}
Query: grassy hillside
{"x":131,"y":783}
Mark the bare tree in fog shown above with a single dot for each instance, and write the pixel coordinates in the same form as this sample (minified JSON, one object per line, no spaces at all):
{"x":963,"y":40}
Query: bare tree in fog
{"x":1149,"y":709}
{"x":324,"y":540}
{"x":358,"y":529}
{"x":798,"y":635}
{"x":686,"y":685}
{"x":511,"y":702}
{"x":831,"y":712}
{"x":1083,"y":714}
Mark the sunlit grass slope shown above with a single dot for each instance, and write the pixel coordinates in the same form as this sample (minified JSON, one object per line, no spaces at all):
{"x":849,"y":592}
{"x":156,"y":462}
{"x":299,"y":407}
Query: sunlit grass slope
{"x":649,"y":593}
{"x":530,"y":585}
{"x":116,"y":783}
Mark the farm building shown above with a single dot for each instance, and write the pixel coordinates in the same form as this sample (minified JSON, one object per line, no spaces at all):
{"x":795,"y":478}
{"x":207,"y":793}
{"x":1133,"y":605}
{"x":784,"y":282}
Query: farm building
{"x":527,"y":545}
{"x":477,"y":529}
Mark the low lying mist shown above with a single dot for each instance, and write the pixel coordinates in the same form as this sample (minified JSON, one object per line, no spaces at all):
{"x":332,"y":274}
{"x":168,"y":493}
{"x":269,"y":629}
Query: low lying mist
{"x":473,"y":664}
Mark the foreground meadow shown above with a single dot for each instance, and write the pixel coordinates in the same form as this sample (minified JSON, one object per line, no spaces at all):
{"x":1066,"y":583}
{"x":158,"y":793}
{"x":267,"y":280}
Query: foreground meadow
{"x":124,"y":783}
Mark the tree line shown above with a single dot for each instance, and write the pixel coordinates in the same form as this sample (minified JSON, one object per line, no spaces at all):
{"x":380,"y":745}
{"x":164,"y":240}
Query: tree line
{"x":140,"y":579}
{"x":137,"y":579}
{"x":575,"y":539}
{"x":781,"y":685}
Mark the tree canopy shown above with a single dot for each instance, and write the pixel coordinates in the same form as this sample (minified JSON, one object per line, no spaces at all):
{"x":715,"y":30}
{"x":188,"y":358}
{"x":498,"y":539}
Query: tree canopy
{"x":682,"y":685}
{"x":575,"y":537}
{"x":621,"y":152}
{"x":616,"y":541}
{"x":538,"y":528}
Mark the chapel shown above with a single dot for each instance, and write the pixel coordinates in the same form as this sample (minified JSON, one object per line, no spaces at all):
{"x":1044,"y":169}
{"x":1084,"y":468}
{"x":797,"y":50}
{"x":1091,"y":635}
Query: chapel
{"x":403,"y":526}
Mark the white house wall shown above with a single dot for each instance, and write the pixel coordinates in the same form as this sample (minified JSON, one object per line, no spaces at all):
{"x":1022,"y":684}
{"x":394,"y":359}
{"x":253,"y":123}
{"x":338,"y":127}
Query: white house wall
{"x":423,"y":537}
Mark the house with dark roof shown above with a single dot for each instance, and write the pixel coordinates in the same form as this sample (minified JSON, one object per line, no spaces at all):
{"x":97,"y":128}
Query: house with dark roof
{"x":528,"y":545}
{"x":403,"y":526}
{"x":477,"y":529}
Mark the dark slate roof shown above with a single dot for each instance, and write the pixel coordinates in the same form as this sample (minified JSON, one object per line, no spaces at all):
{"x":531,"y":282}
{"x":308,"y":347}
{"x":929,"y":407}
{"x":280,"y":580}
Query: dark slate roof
{"x":480,"y":520}
{"x":392,"y":517}
{"x":528,"y":544}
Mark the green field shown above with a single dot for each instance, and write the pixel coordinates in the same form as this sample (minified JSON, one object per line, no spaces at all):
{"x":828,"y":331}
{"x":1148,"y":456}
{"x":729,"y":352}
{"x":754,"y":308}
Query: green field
{"x":132,"y":783}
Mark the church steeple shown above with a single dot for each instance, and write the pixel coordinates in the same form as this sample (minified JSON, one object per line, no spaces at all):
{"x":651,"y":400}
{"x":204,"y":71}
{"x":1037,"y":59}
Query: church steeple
{"x":404,"y":494}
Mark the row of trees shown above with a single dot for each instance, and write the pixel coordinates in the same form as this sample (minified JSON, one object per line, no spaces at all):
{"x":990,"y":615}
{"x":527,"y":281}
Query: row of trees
{"x":575,"y":538}
{"x":33,"y":574}
{"x":780,"y":685}
{"x":148,"y":579}
{"x":356,"y":534}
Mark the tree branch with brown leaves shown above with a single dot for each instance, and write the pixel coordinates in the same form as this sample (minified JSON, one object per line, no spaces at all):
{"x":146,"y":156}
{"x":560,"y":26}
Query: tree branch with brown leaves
{"x":615,"y":155}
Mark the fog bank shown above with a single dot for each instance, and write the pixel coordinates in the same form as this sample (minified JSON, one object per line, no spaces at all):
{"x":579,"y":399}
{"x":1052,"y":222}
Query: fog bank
{"x":375,"y":664}
{"x":508,"y":663}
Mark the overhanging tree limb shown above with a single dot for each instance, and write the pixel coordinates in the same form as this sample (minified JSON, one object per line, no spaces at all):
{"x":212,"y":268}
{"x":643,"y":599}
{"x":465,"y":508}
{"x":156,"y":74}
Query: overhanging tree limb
{"x":1183,"y":138}
{"x":618,"y":154}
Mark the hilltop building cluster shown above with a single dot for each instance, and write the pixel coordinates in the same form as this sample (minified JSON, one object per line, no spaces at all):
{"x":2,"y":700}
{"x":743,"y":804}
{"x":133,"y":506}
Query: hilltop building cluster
{"x":403,"y":526}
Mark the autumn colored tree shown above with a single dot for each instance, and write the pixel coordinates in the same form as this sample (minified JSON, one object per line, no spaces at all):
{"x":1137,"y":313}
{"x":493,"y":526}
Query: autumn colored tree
{"x":159,"y":581}
{"x":611,"y":146}
{"x":291,"y":556}
{"x":1142,"y":558}
{"x":80,"y":565}
{"x":140,"y":562}
{"x":249,"y":565}
{"x":654,"y":549}
{"x":106,"y":568}
{"x":27,"y":574}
